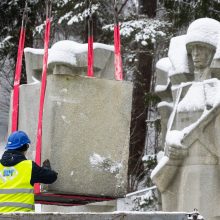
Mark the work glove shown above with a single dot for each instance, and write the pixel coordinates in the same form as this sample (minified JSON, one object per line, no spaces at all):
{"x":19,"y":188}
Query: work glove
{"x":46,"y":164}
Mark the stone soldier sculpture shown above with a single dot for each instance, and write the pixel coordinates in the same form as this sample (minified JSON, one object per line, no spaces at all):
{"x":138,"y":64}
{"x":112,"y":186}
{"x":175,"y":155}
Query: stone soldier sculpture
{"x":188,"y":175}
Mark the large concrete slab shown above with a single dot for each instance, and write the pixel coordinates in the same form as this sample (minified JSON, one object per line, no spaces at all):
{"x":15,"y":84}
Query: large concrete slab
{"x":86,"y":123}
{"x":29,"y":98}
{"x":86,"y":133}
{"x":4,"y":111}
{"x":96,"y":216}
{"x":74,"y":55}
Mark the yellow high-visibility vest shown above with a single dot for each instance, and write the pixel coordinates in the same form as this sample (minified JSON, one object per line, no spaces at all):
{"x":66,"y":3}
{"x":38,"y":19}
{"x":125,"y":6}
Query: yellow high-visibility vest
{"x":16,"y":192}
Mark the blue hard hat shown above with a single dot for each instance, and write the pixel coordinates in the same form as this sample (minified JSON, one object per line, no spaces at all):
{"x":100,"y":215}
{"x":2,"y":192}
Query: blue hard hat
{"x":16,"y":140}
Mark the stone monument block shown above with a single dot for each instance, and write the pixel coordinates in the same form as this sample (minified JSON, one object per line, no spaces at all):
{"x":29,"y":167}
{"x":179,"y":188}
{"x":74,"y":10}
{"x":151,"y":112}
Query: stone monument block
{"x":86,"y":121}
{"x":73,"y":56}
{"x":86,"y":134}
{"x":33,"y":64}
{"x":29,"y":97}
{"x":28,"y":113}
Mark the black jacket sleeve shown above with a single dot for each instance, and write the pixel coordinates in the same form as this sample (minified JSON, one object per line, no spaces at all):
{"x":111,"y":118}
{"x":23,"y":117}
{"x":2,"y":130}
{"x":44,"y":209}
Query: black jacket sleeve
{"x":42,"y":175}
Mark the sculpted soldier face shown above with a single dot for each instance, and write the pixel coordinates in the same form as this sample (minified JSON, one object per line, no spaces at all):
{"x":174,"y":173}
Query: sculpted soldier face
{"x":201,"y":55}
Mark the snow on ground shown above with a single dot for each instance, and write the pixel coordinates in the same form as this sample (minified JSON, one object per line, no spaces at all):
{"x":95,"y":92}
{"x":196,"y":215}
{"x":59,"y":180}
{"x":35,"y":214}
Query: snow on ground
{"x":141,"y":200}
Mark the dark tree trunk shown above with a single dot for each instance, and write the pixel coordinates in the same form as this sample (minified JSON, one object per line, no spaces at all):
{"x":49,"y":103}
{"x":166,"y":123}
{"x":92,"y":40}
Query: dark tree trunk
{"x":148,"y":7}
{"x":94,"y":25}
{"x":138,"y":122}
{"x":142,"y":81}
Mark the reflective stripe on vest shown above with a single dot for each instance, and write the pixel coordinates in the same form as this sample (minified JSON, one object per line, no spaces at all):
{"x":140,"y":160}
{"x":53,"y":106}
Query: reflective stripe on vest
{"x":12,"y":191}
{"x":16,"y":204}
{"x":16,"y":192}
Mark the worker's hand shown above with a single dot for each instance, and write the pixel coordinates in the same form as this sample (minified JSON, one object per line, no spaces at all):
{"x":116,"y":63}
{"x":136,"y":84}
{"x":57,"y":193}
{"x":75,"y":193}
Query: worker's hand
{"x":46,"y":164}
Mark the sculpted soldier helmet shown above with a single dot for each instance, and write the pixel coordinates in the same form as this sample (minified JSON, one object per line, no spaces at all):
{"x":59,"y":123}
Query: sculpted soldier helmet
{"x":203,"y":30}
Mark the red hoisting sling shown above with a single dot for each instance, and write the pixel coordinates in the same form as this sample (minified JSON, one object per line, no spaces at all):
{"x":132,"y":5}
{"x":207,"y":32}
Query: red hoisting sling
{"x":42,"y":95}
{"x":17,"y":78}
{"x":90,"y":72}
{"x":117,"y":44}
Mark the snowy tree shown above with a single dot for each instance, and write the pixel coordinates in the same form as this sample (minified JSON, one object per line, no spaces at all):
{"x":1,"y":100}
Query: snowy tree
{"x":182,"y":12}
{"x":10,"y":23}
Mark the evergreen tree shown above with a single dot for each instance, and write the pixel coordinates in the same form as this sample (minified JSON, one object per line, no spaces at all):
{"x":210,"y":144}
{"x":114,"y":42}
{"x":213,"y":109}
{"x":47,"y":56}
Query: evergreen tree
{"x":182,"y":12}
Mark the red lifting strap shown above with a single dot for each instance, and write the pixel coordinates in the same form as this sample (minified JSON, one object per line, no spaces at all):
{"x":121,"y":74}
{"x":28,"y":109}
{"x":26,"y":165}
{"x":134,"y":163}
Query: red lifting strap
{"x":117,"y":44}
{"x":90,"y":72}
{"x":42,"y":95}
{"x":118,"y":60}
{"x":17,"y":80}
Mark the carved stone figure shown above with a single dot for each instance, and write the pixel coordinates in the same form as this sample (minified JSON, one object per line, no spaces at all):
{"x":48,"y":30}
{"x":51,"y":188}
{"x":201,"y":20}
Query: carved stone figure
{"x":188,"y":176}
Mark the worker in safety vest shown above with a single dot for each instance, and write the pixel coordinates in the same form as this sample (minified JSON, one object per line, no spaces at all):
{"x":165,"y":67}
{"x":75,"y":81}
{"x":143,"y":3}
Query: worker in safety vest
{"x":18,"y":175}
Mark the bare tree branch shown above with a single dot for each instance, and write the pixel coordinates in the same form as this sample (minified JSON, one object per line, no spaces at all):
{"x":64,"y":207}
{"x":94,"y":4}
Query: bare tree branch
{"x":122,"y":6}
